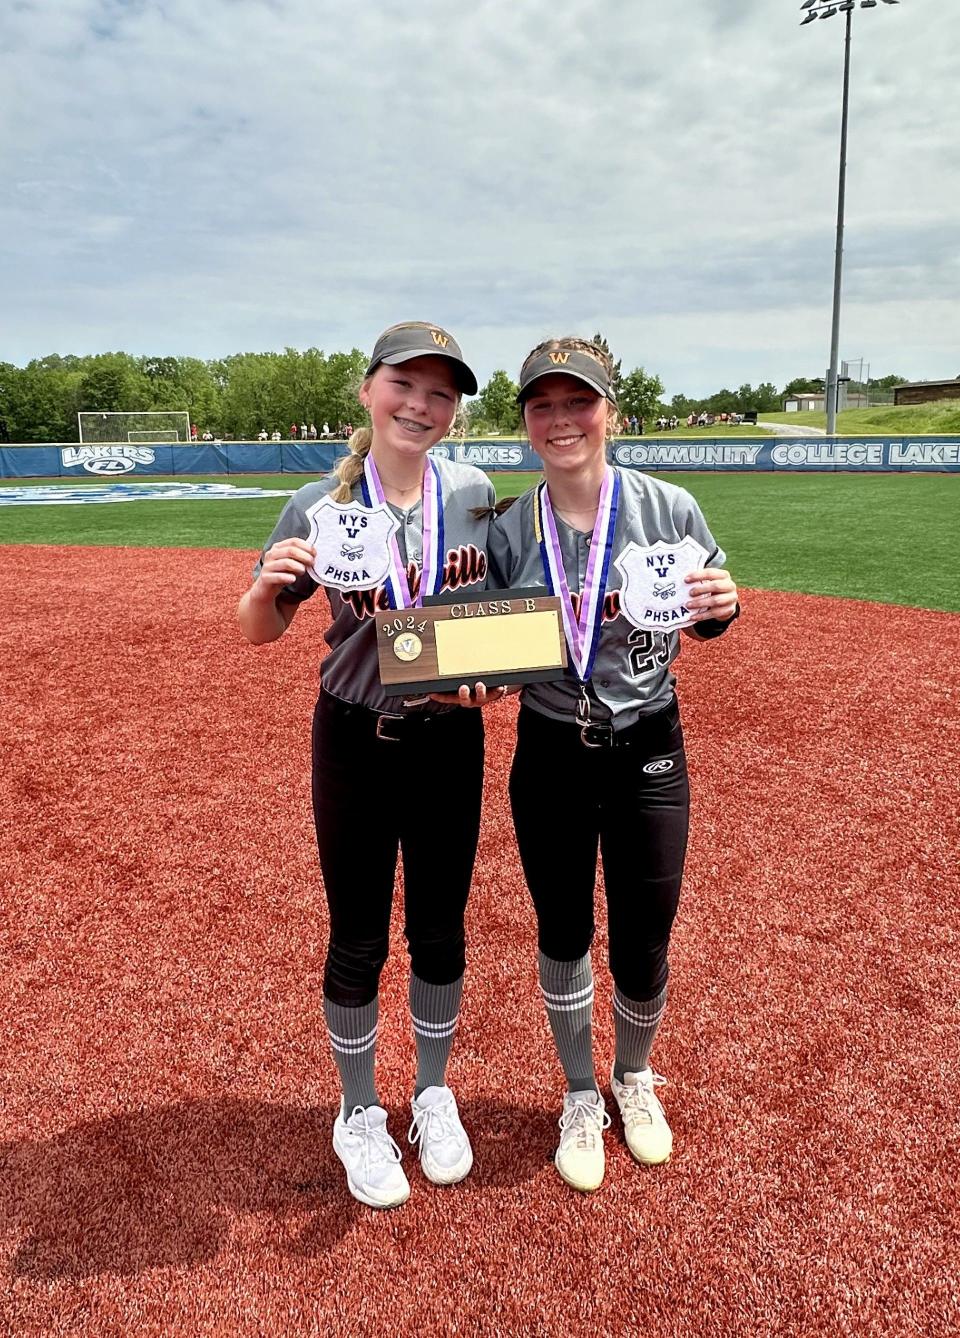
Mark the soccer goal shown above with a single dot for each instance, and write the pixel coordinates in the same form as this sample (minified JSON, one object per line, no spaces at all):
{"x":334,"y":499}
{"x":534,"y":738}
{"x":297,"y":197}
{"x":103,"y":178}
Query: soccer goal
{"x":149,"y":425}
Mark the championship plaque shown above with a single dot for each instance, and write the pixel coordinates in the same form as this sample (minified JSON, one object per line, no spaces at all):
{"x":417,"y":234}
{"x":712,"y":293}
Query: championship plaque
{"x":500,"y":637}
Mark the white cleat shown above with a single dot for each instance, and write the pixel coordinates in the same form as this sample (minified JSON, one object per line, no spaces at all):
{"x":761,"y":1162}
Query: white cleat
{"x":445,"y":1152}
{"x":644,"y":1122}
{"x":580,"y":1157}
{"x":370,"y":1157}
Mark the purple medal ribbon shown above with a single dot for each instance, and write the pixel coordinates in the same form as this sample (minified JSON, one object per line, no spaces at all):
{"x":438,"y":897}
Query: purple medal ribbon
{"x":583,"y":633}
{"x":431,"y":571}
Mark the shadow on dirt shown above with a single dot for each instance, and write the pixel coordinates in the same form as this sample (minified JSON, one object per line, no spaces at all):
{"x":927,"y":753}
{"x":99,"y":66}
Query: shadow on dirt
{"x":162,"y":1187}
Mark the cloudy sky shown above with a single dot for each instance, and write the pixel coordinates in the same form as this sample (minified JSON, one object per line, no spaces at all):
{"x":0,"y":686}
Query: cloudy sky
{"x":185,"y":177}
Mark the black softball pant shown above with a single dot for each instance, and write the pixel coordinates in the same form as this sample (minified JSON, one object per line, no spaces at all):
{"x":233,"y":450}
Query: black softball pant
{"x":633,"y":800}
{"x":417,"y":793}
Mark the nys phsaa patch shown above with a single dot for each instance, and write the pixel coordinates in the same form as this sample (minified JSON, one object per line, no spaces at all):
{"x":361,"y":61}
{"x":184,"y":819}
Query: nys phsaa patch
{"x":352,"y":543}
{"x":654,"y":592}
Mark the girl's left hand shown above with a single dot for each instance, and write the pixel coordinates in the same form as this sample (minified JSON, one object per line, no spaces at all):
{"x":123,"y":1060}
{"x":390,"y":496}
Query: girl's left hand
{"x":480,"y":696}
{"x":713,"y":594}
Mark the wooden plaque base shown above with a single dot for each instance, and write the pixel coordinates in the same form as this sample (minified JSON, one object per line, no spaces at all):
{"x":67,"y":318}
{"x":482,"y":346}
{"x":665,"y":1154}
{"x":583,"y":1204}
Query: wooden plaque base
{"x":504,"y":636}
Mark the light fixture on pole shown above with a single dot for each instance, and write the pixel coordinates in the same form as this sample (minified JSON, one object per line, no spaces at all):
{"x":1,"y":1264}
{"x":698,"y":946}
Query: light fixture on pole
{"x":825,"y":9}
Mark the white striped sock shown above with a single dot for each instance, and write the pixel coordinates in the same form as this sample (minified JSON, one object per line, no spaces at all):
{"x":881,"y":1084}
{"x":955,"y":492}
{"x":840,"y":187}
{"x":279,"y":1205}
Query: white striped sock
{"x":567,"y":989}
{"x":353,"y":1040}
{"x":635,"y":1024}
{"x":434,"y":1012}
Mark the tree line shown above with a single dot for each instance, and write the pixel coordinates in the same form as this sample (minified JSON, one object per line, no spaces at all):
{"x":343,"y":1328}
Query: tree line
{"x":239,"y":396}
{"x":232,"y":397}
{"x":764,"y":398}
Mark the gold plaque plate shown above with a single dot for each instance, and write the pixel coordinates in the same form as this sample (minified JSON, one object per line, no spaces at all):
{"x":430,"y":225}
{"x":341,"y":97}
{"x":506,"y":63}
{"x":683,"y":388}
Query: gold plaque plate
{"x":503,"y":636}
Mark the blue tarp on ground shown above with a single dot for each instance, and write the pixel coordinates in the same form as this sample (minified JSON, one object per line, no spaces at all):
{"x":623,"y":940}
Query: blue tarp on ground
{"x":745,"y":455}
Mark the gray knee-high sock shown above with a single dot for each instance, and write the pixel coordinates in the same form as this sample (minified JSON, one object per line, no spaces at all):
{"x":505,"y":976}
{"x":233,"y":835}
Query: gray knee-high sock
{"x":568,"y":994}
{"x":635,"y":1025}
{"x":434,"y":1010}
{"x":353,"y":1040}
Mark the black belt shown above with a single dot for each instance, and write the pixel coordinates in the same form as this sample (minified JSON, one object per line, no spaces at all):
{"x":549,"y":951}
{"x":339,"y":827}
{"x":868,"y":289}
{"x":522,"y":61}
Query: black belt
{"x":396,"y":728}
{"x":390,"y":726}
{"x":601,"y":734}
{"x":598,"y":735}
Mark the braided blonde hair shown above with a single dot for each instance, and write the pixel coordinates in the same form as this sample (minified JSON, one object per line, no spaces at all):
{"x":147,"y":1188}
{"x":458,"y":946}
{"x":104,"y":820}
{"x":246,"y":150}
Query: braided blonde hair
{"x":349,"y":469}
{"x":573,"y":344}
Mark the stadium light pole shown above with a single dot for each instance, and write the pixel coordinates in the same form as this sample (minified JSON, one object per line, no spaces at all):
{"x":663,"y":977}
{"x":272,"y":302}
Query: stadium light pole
{"x":825,"y":9}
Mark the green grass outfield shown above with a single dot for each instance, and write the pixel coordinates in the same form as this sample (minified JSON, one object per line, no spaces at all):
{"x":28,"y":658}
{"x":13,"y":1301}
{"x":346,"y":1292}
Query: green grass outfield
{"x":885,"y":537}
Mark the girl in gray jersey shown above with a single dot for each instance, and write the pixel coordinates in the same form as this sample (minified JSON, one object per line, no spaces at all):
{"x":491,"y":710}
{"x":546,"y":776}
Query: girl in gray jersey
{"x":367,"y":749}
{"x":608,"y":735}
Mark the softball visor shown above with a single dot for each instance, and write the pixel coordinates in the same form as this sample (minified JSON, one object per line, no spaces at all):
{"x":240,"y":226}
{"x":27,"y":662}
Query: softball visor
{"x":570,"y":362}
{"x":422,"y":341}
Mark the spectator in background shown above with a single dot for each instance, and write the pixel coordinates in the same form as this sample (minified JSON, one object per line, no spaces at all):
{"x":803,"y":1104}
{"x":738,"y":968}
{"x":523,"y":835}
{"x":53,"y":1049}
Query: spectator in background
{"x":293,"y":431}
{"x":313,"y":432}
{"x":193,"y":431}
{"x":325,"y":430}
{"x":303,"y":431}
{"x":634,"y":424}
{"x":275,"y":435}
{"x":262,"y":434}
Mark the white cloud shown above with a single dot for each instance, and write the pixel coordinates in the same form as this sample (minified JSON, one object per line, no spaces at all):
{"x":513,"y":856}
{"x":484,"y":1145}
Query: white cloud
{"x":249,"y":174}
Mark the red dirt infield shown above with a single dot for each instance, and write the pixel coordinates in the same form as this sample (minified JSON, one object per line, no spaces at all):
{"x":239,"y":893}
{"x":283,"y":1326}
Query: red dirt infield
{"x":167,"y":1090}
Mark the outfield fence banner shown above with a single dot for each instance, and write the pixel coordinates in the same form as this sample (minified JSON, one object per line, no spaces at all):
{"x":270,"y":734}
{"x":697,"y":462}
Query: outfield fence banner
{"x":730,"y":455}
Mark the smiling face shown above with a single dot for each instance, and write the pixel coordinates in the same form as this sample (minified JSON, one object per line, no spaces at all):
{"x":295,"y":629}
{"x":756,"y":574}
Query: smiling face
{"x":411,"y":405}
{"x":566,"y":422}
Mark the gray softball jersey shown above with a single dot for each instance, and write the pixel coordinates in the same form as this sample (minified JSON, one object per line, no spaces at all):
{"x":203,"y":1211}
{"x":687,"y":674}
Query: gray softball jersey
{"x":631,"y":675}
{"x":350,"y":670}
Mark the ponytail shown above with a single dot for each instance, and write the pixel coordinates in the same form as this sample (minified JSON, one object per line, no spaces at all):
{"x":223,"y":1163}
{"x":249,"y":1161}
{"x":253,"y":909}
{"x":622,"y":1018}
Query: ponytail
{"x":349,"y":468}
{"x":490,"y":512}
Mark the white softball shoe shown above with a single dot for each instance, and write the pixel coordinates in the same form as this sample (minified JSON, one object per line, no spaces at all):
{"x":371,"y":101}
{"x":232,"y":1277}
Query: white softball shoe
{"x":580,"y":1157}
{"x":370,"y":1157}
{"x":645,"y":1124}
{"x":445,"y":1152}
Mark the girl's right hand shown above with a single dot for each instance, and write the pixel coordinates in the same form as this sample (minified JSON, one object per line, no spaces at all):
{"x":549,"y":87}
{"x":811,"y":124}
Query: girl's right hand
{"x":479,"y":695}
{"x":283,"y":562}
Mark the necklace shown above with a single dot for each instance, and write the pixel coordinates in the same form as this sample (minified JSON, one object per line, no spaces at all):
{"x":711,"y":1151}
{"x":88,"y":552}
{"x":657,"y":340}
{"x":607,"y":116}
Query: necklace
{"x":572,"y":518}
{"x":412,"y":491}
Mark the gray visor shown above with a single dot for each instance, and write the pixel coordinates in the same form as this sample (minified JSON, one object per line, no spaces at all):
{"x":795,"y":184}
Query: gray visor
{"x":569,"y":362}
{"x":422,"y":341}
